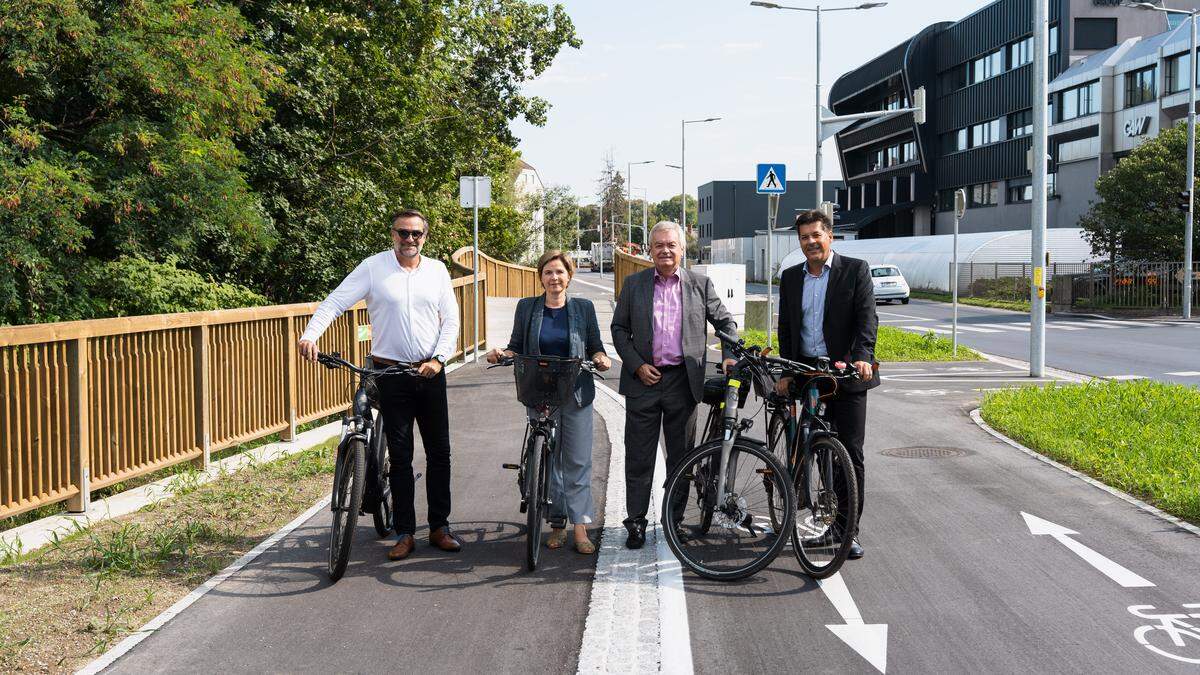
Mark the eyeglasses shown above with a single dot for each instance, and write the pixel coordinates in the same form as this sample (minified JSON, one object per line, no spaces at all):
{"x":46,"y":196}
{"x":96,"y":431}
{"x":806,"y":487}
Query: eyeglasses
{"x":409,"y":234}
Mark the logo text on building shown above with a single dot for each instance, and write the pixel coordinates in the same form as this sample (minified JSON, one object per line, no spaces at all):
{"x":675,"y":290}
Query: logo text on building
{"x":1137,"y":126}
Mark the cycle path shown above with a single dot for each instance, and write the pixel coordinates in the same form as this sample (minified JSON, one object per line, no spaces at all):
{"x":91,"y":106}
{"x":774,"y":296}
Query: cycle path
{"x":475,"y":611}
{"x":952,"y":568}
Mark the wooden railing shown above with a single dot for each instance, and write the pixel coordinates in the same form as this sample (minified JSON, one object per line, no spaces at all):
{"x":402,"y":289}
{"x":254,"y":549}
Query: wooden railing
{"x":86,"y":404}
{"x":624,"y":265}
{"x":505,"y":280}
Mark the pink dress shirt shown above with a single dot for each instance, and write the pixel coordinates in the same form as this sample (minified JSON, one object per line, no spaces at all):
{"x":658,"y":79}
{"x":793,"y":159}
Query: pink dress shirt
{"x":668,"y":320}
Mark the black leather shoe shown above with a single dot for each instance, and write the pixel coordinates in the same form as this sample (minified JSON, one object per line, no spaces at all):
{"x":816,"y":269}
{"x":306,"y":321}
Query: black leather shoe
{"x":637,"y":535}
{"x":856,"y":550}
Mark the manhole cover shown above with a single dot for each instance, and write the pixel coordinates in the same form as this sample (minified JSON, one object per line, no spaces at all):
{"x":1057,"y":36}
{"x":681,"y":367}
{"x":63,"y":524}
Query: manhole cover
{"x":924,"y":452}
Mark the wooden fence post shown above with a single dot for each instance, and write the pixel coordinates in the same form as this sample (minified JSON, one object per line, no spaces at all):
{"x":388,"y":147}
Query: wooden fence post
{"x":80,"y":431}
{"x":202,"y":392}
{"x":290,"y":387}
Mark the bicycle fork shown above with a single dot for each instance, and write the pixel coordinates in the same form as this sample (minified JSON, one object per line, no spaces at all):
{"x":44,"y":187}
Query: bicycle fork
{"x":727,"y":466}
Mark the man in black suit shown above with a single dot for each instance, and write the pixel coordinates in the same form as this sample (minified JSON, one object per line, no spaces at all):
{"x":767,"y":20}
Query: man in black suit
{"x":827,"y":308}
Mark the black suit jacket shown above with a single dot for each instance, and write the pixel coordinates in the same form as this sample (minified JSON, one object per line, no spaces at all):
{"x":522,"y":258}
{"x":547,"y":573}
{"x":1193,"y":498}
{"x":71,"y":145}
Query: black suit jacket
{"x":850,"y":325}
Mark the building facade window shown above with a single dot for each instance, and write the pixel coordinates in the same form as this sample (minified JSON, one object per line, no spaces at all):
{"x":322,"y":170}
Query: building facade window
{"x":895,"y":101}
{"x":954,"y":79}
{"x":1020,"y":123}
{"x":908,"y":152}
{"x":946,"y":200}
{"x":1053,"y":40}
{"x":1020,"y":190}
{"x":1079,"y":102}
{"x":1175,"y":72}
{"x":1095,"y":33}
{"x":985,"y":133}
{"x":1051,"y":185}
{"x":1020,"y":53}
{"x":983,"y":194}
{"x":987,"y":66}
{"x":1140,"y":86}
{"x":892,"y":157}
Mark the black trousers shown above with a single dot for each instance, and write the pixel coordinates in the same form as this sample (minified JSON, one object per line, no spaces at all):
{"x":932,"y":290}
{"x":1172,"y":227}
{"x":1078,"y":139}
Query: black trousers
{"x":849,"y":412}
{"x":402,"y":400}
{"x":667,"y":408}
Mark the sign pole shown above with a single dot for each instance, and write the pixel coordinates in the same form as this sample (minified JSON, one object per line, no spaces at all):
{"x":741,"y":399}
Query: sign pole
{"x":960,"y":207}
{"x":772,"y":214}
{"x":475,"y":263}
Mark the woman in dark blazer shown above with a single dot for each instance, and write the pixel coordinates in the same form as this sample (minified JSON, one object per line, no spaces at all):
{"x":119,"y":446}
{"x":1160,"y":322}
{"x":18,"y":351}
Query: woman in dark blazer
{"x":553,"y":324}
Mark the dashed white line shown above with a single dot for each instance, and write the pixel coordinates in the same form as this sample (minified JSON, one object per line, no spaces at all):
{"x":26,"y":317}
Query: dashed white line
{"x":970,"y":329}
{"x":922,"y":329}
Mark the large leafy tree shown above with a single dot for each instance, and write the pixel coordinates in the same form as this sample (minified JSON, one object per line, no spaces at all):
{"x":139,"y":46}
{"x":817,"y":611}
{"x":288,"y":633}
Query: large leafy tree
{"x":668,"y":209}
{"x":387,"y":104}
{"x":118,"y":123}
{"x":1137,"y":217}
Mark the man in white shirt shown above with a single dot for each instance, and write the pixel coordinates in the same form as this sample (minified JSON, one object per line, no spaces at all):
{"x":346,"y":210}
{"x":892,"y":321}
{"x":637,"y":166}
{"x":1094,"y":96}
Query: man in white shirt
{"x":414,"y":321}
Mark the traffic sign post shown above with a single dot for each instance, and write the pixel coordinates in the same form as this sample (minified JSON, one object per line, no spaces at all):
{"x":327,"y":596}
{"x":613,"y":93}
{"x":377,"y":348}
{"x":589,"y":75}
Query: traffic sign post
{"x":771,"y":180}
{"x":475,"y":192}
{"x":960,"y":208}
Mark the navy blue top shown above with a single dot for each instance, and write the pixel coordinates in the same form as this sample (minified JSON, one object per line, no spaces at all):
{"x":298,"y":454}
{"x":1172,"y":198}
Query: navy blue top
{"x":556,"y":336}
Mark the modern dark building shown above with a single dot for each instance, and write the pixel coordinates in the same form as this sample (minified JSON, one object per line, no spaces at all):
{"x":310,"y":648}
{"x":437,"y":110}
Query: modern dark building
{"x":977,"y":73}
{"x":733,"y":209}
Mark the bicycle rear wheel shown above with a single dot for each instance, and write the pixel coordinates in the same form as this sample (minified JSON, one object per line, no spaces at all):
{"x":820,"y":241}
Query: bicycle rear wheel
{"x":826,"y":508}
{"x":741,"y":540}
{"x":534,"y":500}
{"x":382,"y":516}
{"x":349,"y":478}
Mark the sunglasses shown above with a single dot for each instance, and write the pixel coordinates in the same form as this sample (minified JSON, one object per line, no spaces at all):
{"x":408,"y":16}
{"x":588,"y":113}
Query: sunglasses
{"x":409,"y":234}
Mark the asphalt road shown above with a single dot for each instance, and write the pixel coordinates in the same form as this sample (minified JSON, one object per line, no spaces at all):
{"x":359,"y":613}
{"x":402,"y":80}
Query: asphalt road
{"x":953,"y":579}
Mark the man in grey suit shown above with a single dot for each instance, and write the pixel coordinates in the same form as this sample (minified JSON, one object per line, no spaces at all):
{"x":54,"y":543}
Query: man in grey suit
{"x":659,"y":332}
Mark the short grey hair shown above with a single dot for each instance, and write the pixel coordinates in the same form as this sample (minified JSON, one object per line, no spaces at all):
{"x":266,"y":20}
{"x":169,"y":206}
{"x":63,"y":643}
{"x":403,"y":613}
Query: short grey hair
{"x":670,"y":225}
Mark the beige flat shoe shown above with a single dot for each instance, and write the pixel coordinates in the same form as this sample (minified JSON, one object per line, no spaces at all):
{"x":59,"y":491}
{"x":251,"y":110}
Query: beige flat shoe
{"x":557,"y":538}
{"x":585,"y":547}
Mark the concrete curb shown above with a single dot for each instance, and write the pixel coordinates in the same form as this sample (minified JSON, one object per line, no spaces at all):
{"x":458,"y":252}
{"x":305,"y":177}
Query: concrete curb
{"x":1078,"y":378}
{"x":977,"y":417}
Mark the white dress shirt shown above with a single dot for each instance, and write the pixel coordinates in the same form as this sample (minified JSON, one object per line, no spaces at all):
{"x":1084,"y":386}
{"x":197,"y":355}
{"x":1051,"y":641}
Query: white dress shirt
{"x":414,"y":316}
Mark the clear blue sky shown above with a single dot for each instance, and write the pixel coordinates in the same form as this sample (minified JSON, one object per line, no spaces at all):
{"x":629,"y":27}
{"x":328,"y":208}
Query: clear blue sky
{"x":647,"y":64}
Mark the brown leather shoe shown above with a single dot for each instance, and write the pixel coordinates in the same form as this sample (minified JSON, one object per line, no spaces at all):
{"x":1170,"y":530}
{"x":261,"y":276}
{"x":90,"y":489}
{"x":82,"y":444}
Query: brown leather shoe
{"x":444,"y":539}
{"x":403,"y":548}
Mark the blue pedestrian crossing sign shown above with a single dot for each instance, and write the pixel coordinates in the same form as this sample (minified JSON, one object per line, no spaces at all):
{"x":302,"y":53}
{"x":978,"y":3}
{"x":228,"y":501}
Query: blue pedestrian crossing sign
{"x":772,"y":179}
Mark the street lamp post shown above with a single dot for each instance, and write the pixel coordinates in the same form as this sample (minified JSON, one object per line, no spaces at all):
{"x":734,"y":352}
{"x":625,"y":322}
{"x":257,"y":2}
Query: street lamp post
{"x":629,"y":194}
{"x":1189,"y":222}
{"x":819,"y":195}
{"x":683,"y":174}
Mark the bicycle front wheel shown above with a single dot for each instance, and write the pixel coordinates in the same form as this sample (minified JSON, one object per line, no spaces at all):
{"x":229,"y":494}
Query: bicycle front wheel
{"x":777,"y":443}
{"x":534,"y":500}
{"x":383,"y":512}
{"x":826,"y":508}
{"x":349,"y":478}
{"x":741,"y":540}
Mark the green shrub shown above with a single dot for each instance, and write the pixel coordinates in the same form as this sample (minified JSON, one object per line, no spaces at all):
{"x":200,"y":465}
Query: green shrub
{"x":133,"y":286}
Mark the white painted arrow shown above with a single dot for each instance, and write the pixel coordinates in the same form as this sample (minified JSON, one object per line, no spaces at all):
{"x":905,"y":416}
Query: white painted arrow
{"x":868,"y":639}
{"x":1110,"y":569}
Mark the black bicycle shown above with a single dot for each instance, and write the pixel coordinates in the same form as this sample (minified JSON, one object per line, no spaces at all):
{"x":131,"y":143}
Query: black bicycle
{"x":362,"y":466}
{"x":826,"y":489}
{"x":544,"y":383}
{"x":723,"y":531}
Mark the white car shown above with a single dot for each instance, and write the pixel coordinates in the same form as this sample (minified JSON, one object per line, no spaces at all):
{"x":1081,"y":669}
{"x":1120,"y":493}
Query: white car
{"x":889,"y":284}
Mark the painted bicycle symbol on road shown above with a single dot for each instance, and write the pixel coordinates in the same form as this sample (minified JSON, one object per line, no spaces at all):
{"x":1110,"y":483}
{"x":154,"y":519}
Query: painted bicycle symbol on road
{"x":1175,"y":627}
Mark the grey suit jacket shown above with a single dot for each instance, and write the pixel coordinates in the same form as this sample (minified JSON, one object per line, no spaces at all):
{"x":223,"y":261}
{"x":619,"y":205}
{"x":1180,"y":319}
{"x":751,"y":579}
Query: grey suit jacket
{"x":584,"y":332}
{"x":633,"y":327}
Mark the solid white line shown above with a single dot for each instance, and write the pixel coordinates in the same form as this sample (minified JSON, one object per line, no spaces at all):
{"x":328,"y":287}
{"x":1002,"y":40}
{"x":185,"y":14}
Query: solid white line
{"x":906,"y":316}
{"x":1140,"y":324}
{"x":186,"y":601}
{"x":1092,"y":324}
{"x":978,"y":419}
{"x":577,"y":280}
{"x":922,"y":329}
{"x":617,"y":629}
{"x":969,"y":329}
{"x":1186,"y":373}
{"x":1005,"y":326}
{"x":1059,"y":326}
{"x":1125,"y":378}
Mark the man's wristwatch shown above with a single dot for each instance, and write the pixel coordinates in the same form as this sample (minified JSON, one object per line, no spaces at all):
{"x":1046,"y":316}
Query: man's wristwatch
{"x":440,"y":359}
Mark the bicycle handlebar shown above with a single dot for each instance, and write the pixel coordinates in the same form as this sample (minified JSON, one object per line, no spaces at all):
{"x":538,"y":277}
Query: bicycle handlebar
{"x":584,"y":365}
{"x":335,"y":360}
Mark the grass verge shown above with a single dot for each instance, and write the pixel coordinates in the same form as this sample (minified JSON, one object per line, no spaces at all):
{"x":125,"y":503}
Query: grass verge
{"x":896,"y":345}
{"x":1142,"y":437}
{"x":937,"y":296}
{"x":68,"y":602}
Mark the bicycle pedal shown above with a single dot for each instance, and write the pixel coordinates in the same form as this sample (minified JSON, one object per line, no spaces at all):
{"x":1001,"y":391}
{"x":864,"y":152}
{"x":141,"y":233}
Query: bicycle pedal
{"x":514,"y":467}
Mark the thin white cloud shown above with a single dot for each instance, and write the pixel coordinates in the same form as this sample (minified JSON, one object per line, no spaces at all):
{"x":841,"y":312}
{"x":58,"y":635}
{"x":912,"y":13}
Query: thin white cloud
{"x":741,"y":47}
